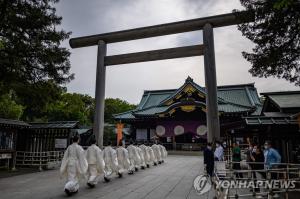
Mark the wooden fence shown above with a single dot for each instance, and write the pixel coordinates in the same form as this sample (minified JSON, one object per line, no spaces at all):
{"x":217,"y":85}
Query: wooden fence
{"x":46,"y":159}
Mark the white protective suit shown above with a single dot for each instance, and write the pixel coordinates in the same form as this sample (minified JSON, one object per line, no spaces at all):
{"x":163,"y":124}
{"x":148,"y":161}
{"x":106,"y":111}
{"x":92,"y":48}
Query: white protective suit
{"x":152,"y":156}
{"x":157,"y":153}
{"x":141,"y":153}
{"x":163,"y":152}
{"x":123,"y":159}
{"x":135,"y":160}
{"x":96,"y":164}
{"x":111,"y":161}
{"x":146,"y":153}
{"x":73,"y":166}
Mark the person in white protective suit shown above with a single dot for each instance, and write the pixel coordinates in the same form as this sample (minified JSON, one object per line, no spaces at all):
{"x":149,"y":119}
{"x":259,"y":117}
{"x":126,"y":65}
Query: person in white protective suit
{"x":111,"y":162}
{"x":135,"y":160}
{"x":74,"y":165}
{"x":163,"y":152}
{"x":157,"y":153}
{"x":152,"y":156}
{"x":123,"y":159}
{"x":96,"y":163}
{"x":141,"y":154}
{"x":146,"y":154}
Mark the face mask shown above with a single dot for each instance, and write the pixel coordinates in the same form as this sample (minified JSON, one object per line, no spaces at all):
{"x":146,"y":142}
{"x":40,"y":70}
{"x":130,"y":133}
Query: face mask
{"x":266,"y":147}
{"x":250,"y":148}
{"x":254,"y":150}
{"x":217,"y":145}
{"x":209,"y":147}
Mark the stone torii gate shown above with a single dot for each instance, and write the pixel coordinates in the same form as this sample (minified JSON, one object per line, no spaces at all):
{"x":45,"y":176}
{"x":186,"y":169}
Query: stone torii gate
{"x":207,"y":49}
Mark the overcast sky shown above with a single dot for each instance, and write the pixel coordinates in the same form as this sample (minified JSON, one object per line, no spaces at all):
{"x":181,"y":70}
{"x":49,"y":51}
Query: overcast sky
{"x":86,"y":17}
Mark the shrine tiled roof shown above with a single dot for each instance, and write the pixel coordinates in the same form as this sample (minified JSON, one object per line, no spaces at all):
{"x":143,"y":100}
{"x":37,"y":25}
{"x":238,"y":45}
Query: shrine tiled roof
{"x":231,"y":99}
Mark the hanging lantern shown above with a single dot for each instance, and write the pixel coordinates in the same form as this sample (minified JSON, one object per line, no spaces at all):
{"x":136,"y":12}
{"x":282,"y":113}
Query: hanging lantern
{"x":201,"y":130}
{"x":178,"y":130}
{"x":160,"y":130}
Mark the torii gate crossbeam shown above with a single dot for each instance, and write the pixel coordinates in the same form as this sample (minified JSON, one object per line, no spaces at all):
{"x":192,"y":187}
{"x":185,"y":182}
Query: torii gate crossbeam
{"x":207,"y":49}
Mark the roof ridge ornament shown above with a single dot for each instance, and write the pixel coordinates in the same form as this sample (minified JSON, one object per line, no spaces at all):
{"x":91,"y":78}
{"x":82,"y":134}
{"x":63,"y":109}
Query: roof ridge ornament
{"x":189,"y":79}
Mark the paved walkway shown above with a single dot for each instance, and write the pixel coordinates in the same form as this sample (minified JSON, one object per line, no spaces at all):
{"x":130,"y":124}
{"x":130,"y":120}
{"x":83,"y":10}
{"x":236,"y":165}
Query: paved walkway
{"x":171,"y":180}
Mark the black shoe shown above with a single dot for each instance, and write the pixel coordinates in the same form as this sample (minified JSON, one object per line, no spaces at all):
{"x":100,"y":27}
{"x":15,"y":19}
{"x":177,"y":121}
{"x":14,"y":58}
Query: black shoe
{"x":120,"y":175}
{"x":90,"y":185}
{"x":148,"y":165}
{"x":162,"y":161}
{"x":155,"y":164}
{"x":142,"y":167}
{"x":136,"y":169}
{"x":159,"y":162}
{"x":106,"y":179}
{"x":68,"y":192}
{"x":130,"y":172}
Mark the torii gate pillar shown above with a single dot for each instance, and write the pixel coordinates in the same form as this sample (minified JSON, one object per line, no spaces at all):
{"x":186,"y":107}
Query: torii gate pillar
{"x":212,"y":117}
{"x":98,"y":127}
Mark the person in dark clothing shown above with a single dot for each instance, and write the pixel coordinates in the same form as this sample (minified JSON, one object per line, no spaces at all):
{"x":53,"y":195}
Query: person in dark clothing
{"x":209,"y":159}
{"x":258,"y":158}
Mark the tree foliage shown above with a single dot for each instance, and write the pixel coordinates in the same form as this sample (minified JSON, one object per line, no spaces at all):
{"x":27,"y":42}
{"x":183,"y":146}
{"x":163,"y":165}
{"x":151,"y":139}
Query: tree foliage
{"x":71,"y":106}
{"x":9,"y":109}
{"x":32,"y":62}
{"x":74,"y":106}
{"x":276,"y":34}
{"x":114,"y":106}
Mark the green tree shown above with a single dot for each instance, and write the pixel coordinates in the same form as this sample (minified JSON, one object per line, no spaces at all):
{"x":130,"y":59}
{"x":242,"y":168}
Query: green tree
{"x":276,"y":35}
{"x":9,"y":109}
{"x":74,"y":106}
{"x":31,"y":57}
{"x":114,"y":106}
{"x":71,"y":106}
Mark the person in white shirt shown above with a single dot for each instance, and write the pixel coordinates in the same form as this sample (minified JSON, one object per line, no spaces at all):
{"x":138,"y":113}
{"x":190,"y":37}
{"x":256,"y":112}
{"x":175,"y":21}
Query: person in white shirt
{"x":146,"y":154}
{"x":96,"y":163}
{"x":123,"y":158}
{"x":152,"y":156}
{"x":134,"y":157}
{"x":219,"y":152}
{"x":163,"y":152}
{"x":141,"y":154}
{"x":111,"y":162}
{"x":74,"y":165}
{"x":157,"y":153}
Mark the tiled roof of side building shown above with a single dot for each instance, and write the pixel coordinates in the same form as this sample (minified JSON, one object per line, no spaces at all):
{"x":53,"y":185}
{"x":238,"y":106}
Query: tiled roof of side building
{"x":125,"y":115}
{"x":232,"y":108}
{"x":243,"y":94}
{"x":258,"y":110}
{"x":263,"y":120}
{"x":288,"y":99}
{"x":13,"y":123}
{"x":54,"y":124}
